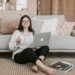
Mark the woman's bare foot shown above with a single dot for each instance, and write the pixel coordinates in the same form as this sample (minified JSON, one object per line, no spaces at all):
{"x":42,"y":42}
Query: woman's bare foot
{"x":48,"y":71}
{"x":34,"y":68}
{"x":44,"y":68}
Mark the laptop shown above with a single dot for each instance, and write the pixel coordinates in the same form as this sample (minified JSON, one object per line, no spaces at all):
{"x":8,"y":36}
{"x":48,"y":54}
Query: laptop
{"x":41,"y":39}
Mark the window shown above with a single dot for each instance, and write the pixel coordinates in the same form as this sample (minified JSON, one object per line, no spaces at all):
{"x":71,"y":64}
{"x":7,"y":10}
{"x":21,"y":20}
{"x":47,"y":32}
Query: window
{"x":21,"y":4}
{"x":12,"y":5}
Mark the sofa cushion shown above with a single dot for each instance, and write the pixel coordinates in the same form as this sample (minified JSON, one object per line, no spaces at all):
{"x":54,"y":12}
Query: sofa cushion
{"x":38,"y":21}
{"x":8,"y":24}
{"x":50,"y":26}
{"x":65,"y":28}
{"x":0,"y":25}
{"x":4,"y":42}
{"x":10,"y":20}
{"x":62,"y":42}
{"x":37,"y":25}
{"x":47,"y":17}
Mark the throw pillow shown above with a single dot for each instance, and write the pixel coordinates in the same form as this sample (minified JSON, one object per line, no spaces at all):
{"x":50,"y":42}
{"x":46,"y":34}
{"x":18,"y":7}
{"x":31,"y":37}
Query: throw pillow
{"x":36,"y":25}
{"x":65,"y":28}
{"x":50,"y":26}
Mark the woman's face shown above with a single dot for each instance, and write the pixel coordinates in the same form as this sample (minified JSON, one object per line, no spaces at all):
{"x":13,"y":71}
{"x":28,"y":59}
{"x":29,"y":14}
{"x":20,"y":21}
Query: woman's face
{"x":25,"y":22}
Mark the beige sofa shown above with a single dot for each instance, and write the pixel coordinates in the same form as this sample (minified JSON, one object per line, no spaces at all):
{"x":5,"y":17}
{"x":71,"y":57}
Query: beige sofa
{"x":9,"y":22}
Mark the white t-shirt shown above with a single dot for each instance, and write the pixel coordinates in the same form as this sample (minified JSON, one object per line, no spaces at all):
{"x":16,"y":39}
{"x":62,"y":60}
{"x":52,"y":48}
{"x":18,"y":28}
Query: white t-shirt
{"x":26,"y":41}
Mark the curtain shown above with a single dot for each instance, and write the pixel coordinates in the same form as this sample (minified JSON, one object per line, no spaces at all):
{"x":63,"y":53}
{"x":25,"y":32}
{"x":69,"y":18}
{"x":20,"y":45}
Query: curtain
{"x":59,"y":7}
{"x":44,"y":7}
{"x":65,"y":7}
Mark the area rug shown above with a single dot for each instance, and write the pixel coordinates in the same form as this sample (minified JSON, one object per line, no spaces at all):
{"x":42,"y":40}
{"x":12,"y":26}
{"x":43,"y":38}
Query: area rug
{"x":9,"y":67}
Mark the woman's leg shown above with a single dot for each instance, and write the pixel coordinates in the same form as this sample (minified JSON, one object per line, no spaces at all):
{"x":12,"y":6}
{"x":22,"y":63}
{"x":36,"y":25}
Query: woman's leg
{"x":44,"y":68}
{"x":42,"y":52}
{"x":27,"y":55}
{"x":31,"y":56}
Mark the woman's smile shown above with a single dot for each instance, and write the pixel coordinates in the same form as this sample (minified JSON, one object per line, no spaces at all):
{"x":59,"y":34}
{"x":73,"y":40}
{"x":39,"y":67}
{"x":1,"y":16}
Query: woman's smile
{"x":25,"y":23}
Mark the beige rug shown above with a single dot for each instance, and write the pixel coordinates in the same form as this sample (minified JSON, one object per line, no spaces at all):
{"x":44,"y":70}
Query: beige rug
{"x":8,"y":67}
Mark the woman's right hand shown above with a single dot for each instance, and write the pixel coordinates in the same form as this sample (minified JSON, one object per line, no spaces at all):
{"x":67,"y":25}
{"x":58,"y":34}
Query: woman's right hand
{"x":18,"y":40}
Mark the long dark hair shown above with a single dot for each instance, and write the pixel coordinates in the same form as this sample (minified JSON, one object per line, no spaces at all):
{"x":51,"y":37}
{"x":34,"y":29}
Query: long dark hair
{"x":20,"y":27}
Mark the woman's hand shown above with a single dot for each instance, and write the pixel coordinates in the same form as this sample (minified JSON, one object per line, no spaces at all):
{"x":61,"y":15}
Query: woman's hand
{"x":34,"y":49}
{"x":18,"y":40}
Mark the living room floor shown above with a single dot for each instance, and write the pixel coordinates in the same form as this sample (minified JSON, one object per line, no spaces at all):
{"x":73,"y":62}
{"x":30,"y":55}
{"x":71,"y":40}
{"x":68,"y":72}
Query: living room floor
{"x":10,"y":67}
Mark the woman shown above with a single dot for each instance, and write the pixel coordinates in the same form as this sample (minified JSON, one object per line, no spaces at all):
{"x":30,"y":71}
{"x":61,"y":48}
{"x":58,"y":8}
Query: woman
{"x":20,"y":43}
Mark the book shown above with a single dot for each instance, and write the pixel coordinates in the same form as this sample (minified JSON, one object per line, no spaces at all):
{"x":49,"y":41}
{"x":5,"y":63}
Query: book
{"x":62,"y":66}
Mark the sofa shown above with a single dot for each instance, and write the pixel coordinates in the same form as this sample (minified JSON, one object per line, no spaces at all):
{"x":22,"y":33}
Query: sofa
{"x":60,"y":42}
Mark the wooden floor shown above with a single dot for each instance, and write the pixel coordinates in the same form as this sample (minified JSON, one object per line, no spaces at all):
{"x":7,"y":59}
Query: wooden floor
{"x":9,"y":67}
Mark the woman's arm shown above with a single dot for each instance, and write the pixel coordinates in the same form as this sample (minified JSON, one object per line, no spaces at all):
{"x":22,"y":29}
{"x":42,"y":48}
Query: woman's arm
{"x":13,"y":44}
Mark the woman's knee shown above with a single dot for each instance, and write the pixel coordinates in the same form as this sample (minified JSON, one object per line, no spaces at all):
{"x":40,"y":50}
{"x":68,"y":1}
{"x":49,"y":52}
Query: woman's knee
{"x":45,"y":47}
{"x":29,"y":49}
{"x":45,"y":50}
